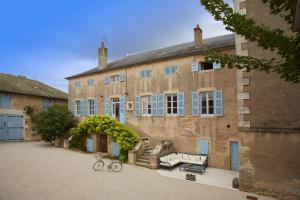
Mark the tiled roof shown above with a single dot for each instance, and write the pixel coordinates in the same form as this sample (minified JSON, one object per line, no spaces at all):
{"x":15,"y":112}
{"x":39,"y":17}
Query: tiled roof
{"x":179,"y":50}
{"x":22,"y":85}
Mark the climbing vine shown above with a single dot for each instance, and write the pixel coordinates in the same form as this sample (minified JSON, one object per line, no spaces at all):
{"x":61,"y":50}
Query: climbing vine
{"x":125,"y":137}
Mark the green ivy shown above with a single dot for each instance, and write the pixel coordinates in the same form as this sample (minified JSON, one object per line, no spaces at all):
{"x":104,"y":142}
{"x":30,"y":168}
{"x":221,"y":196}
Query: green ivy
{"x":125,"y":137}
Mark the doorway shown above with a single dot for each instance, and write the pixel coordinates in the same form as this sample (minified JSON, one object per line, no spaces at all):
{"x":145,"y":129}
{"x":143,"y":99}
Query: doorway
{"x":234,"y":156}
{"x":116,"y":108}
{"x":102,"y":143}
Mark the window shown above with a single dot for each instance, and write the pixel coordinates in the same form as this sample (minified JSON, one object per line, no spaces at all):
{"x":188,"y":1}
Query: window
{"x":171,"y":104}
{"x":77,"y":84}
{"x":91,"y":104}
{"x":170,"y":70}
{"x":46,"y":103}
{"x":146,"y":105}
{"x":78,"y":109}
{"x":207,"y":103}
{"x":115,"y":78}
{"x":90,"y":82}
{"x":206,"y":66}
{"x":5,"y":101}
{"x":145,"y":73}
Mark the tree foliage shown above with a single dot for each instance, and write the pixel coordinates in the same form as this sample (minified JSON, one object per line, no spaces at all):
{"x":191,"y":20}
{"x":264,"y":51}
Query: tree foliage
{"x":124,"y":136}
{"x":287,"y":47}
{"x":54,"y":123}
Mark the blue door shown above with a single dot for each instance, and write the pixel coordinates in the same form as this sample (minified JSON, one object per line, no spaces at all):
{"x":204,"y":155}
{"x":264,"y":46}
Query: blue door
{"x":202,"y":146}
{"x":234,"y":156}
{"x":11,"y":127}
{"x":114,"y":149}
{"x":89,"y":145}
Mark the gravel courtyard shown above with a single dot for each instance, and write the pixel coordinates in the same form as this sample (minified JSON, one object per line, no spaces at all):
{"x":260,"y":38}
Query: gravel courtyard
{"x":37,"y":171}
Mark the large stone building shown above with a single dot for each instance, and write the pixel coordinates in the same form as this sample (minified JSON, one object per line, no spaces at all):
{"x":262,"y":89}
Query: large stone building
{"x":244,"y":121}
{"x":17,"y":92}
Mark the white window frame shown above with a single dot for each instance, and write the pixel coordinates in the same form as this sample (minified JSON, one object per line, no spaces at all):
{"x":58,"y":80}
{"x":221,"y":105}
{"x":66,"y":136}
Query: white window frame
{"x":77,"y":107}
{"x":172,"y":104}
{"x":115,"y":78}
{"x":91,"y":106}
{"x":201,"y":95}
{"x":146,"y":105}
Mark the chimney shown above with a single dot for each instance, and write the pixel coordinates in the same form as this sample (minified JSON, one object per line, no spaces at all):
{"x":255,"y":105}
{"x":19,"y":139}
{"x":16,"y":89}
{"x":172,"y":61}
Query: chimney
{"x":102,"y":56}
{"x":198,"y":36}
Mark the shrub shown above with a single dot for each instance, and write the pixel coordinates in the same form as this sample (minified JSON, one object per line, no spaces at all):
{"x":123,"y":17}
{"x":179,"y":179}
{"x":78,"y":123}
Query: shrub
{"x":125,"y":137}
{"x":54,"y":123}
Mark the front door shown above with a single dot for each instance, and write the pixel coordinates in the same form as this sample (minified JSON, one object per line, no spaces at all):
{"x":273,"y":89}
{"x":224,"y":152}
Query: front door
{"x":234,"y":156}
{"x":103,"y":143}
{"x":116,"y":108}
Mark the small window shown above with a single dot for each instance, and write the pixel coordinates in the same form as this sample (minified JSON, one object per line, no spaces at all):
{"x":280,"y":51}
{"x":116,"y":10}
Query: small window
{"x":206,"y":66}
{"x":207,"y":103}
{"x":129,"y":105}
{"x":145,"y":73}
{"x":90,"y":82}
{"x":77,"y":84}
{"x":146,"y":105}
{"x":170,"y":70}
{"x":171,"y":104}
{"x":91,"y":106}
{"x":46,"y":103}
{"x":78,"y":110}
{"x":115,"y":78}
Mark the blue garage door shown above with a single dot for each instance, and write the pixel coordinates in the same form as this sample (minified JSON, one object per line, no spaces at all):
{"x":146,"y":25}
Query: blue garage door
{"x":11,"y":127}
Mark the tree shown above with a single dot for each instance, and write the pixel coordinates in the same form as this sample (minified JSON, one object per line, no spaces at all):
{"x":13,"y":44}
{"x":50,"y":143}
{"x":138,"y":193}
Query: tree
{"x":287,"y":47}
{"x":54,"y":123}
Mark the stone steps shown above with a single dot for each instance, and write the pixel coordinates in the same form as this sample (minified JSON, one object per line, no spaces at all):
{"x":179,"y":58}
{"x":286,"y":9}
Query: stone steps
{"x":144,"y":159}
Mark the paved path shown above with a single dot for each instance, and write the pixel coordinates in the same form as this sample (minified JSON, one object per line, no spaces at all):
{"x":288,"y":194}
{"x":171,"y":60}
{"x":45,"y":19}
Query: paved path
{"x":37,"y":171}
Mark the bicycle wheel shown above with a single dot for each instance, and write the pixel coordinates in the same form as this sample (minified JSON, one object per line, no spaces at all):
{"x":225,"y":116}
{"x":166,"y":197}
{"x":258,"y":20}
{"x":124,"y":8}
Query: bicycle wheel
{"x":116,"y":166}
{"x":98,"y":165}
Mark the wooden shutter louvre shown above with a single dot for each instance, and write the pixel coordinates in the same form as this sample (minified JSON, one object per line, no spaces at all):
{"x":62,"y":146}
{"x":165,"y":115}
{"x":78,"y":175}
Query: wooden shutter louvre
{"x":160,"y":107}
{"x":218,"y":107}
{"x":216,"y":65}
{"x":180,"y":97}
{"x":137,"y":106}
{"x":154,"y":105}
{"x":195,"y":66}
{"x":195,"y":103}
{"x":106,"y":107}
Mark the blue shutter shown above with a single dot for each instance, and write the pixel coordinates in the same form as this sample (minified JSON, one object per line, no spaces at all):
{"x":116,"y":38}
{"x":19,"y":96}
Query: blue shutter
{"x":142,"y":74}
{"x":195,"y":66}
{"x":73,"y":108}
{"x":114,"y":149}
{"x":122,"y":77}
{"x":95,"y":107}
{"x":173,"y":69}
{"x":154,"y":105}
{"x":218,"y":103}
{"x":160,"y":107}
{"x":89,"y":145}
{"x":106,"y":106}
{"x":122,"y":110}
{"x":203,"y":147}
{"x":148,"y":73}
{"x":5,"y":101}
{"x":106,"y":80}
{"x":137,"y":106}
{"x":180,"y":97}
{"x":84,"y":107}
{"x":216,"y":65}
{"x":167,"y":70}
{"x":195,"y":103}
{"x":200,"y":104}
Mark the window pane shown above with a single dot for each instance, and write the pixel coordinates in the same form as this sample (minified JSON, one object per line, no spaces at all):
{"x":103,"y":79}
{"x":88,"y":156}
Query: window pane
{"x":169,"y":111}
{"x":174,"y":110}
{"x":204,"y":111}
{"x":175,"y":98}
{"x":168,"y":98}
{"x":174,"y":104}
{"x":211,"y":110}
{"x":169,"y":104}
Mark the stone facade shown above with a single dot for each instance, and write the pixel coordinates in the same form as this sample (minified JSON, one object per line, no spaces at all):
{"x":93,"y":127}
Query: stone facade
{"x":269,"y":117}
{"x":18,"y":103}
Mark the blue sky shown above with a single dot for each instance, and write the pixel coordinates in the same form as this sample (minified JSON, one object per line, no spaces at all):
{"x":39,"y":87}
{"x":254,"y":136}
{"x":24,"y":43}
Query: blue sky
{"x":51,"y":39}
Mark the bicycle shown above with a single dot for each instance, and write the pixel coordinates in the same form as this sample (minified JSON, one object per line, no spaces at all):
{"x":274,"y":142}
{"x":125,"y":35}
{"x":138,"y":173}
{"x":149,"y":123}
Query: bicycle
{"x":114,"y":165}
